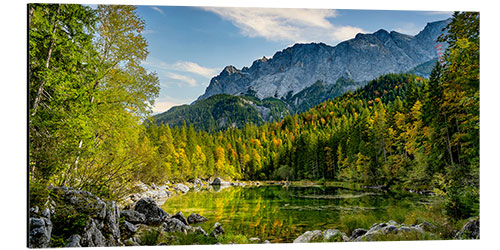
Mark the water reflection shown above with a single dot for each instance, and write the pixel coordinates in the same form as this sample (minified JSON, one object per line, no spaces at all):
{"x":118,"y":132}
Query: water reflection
{"x":280,"y":214}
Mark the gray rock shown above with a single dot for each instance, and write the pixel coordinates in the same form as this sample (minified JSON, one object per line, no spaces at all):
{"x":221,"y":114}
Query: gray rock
{"x":154,"y":214}
{"x":392,"y":223}
{"x":40,"y":231}
{"x":74,"y":241}
{"x":218,"y":181}
{"x":131,"y":242}
{"x":266,"y":242}
{"x":254,"y":240}
{"x":181,"y":187}
{"x":390,"y":229}
{"x":217,"y":230}
{"x":357,"y":233}
{"x":92,"y":236}
{"x":309,"y":236}
{"x":334,"y":234}
{"x":470,"y":230}
{"x":133,"y":217}
{"x":111,"y":222}
{"x":174,"y":225}
{"x":199,"y":230}
{"x":194,"y":218}
{"x":180,"y":217}
{"x":198,"y":182}
{"x":128,"y":228}
{"x":102,"y":228}
{"x":34,"y":211}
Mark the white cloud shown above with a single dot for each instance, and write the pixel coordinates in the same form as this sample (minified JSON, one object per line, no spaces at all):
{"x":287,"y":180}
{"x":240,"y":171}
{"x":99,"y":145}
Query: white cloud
{"x":195,"y":68}
{"x":158,"y":10}
{"x":290,"y":25}
{"x":409,"y":28}
{"x":190,"y":81}
{"x":165,"y":103}
{"x":178,"y":71}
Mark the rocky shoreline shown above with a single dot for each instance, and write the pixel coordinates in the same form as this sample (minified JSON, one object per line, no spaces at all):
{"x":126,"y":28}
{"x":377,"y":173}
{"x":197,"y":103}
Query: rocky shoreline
{"x":76,"y":218}
{"x":387,"y":230}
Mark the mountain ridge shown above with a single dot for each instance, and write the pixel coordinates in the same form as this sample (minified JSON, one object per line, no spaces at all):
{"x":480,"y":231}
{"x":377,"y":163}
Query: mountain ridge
{"x":361,"y":59}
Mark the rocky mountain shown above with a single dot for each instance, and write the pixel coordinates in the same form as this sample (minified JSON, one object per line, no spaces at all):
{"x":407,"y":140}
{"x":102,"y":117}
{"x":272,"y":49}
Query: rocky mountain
{"x":304,"y":75}
{"x":360,"y":59}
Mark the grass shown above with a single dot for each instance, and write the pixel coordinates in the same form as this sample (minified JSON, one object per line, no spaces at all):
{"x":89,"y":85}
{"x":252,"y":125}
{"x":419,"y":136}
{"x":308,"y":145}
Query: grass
{"x":199,"y":239}
{"x":409,"y":236}
{"x":151,"y":237}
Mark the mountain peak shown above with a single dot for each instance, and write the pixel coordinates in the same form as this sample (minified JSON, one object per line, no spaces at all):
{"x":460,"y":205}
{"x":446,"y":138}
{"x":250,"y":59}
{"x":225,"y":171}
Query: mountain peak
{"x":297,"y":67}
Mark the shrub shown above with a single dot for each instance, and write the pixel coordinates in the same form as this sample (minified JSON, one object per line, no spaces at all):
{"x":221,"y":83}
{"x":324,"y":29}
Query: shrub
{"x":462,"y":202}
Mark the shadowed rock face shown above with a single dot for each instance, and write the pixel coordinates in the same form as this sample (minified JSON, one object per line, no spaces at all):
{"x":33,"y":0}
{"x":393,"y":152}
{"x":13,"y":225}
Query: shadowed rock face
{"x":153,"y":213}
{"x":362,"y":58}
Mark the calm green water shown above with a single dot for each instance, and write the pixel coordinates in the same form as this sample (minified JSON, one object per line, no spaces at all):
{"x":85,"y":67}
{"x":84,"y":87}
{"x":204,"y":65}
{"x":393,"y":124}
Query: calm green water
{"x":280,"y":214}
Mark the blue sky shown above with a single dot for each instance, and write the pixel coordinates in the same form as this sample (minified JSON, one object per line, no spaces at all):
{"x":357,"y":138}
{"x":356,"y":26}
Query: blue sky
{"x":190,"y":45}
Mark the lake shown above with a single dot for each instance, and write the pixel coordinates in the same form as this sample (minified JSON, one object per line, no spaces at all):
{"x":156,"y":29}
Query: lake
{"x":280,"y":214}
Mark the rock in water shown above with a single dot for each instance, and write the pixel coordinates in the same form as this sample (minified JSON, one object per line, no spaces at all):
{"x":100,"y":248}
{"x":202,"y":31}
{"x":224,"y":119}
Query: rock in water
{"x":181,"y":217}
{"x":154,"y":214}
{"x":181,"y":187}
{"x":195,"y":218}
{"x":218,"y":230}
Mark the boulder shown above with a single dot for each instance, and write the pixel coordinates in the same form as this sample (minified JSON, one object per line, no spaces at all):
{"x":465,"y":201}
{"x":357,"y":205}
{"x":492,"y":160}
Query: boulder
{"x":180,"y":217}
{"x":40,"y":231}
{"x":198,"y":182}
{"x":470,"y":230}
{"x":131,"y":242}
{"x":334,"y":235}
{"x":74,"y":241}
{"x":198,"y":230}
{"x":181,"y":187}
{"x":357,"y":233}
{"x":218,"y":182}
{"x":92,"y":236}
{"x":111,"y":222}
{"x":217,"y":230}
{"x":102,"y":217}
{"x":133,"y":217}
{"x":309,"y":236}
{"x":153,"y":213}
{"x":195,"y":218}
{"x":390,"y":229}
{"x":254,"y":240}
{"x":128,"y":229}
{"x":174,"y":225}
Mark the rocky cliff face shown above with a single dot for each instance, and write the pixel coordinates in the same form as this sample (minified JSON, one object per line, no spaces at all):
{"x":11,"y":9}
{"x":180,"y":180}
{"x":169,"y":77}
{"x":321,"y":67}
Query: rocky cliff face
{"x":361,"y":59}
